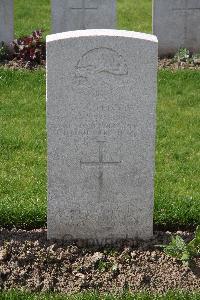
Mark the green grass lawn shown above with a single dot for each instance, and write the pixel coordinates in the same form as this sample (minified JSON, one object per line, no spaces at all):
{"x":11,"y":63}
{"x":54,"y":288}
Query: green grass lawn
{"x":31,"y":15}
{"x":35,"y":14}
{"x":23,"y":149}
{"x":134,"y":15}
{"x":93,"y":296}
{"x":177,"y":189}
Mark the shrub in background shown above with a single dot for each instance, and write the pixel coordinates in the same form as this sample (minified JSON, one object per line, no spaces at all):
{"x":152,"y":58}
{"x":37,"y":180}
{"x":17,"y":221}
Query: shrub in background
{"x":30,"y":49}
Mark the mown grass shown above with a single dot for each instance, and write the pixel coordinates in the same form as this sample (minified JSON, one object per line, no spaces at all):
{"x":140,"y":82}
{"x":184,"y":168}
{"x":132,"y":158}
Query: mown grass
{"x":30,"y":15}
{"x":14,"y":295}
{"x":135,"y":15}
{"x":177,"y":189}
{"x":23,"y":149}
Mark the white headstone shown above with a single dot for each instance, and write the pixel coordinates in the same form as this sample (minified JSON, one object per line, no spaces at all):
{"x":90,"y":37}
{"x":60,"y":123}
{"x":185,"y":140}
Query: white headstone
{"x":101,"y":99}
{"x":82,"y":14}
{"x":6,"y":21}
{"x":176,"y":24}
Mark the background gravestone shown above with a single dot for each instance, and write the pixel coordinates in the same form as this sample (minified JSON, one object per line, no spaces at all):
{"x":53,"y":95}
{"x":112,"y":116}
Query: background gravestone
{"x":101,"y":99}
{"x":6,"y":21}
{"x":82,"y":14}
{"x":176,"y":24}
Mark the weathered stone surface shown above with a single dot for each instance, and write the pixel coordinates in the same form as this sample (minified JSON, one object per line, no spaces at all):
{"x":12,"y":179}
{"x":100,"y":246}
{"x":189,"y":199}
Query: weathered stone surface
{"x":6,"y":21}
{"x":176,"y":24}
{"x":101,"y":98}
{"x":82,"y":14}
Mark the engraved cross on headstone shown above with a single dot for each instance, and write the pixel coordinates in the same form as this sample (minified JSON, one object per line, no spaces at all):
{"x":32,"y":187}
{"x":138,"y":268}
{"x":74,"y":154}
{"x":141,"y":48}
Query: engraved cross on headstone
{"x":83,"y":7}
{"x":186,"y":10}
{"x":100,"y":164}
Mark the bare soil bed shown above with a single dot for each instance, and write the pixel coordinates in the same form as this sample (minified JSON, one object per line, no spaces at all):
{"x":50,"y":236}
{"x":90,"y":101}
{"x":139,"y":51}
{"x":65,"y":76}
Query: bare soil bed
{"x":165,"y":63}
{"x":171,"y":64}
{"x":29,"y":261}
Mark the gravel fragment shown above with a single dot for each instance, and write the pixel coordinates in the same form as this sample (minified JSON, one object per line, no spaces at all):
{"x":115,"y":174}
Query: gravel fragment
{"x":4,"y":254}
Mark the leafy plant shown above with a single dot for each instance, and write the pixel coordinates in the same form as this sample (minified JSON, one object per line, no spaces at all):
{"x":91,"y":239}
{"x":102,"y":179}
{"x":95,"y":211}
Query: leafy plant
{"x":196,"y":58}
{"x":103,"y":265}
{"x":183,"y":55}
{"x":110,"y":251}
{"x":30,"y":48}
{"x":194,"y":245}
{"x":183,"y":251}
{"x":177,"y":248}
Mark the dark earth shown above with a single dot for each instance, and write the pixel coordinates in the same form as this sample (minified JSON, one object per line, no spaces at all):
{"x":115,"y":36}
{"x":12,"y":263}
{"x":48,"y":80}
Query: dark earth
{"x":165,"y":63}
{"x":29,"y":261}
{"x":171,"y":64}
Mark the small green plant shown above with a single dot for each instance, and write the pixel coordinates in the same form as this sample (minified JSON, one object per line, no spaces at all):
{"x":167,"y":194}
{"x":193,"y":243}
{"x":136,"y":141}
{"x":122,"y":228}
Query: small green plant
{"x":183,"y":251}
{"x":103,"y":265}
{"x":183,"y":55}
{"x":177,"y":248}
{"x":196,"y":58}
{"x":110,"y":251}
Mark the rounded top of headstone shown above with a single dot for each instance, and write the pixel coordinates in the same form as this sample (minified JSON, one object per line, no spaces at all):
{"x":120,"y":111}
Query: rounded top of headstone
{"x":101,"y":32}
